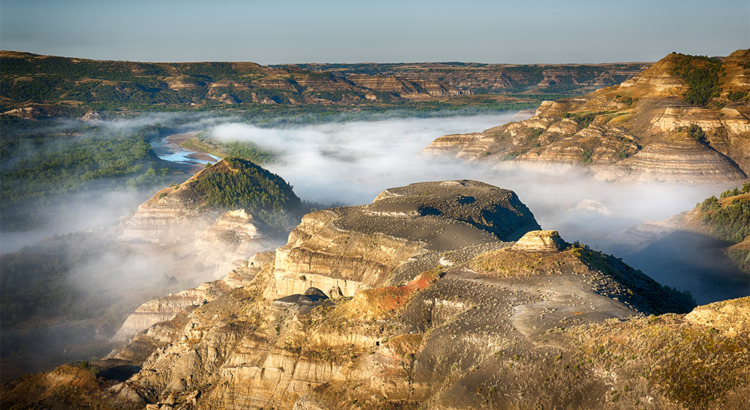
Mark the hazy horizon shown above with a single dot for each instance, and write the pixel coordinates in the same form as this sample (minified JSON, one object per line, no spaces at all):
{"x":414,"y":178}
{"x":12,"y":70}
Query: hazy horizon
{"x":331,"y":31}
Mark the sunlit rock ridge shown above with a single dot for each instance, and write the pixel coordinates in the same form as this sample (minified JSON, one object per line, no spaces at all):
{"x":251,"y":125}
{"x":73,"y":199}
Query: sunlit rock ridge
{"x":662,"y":124}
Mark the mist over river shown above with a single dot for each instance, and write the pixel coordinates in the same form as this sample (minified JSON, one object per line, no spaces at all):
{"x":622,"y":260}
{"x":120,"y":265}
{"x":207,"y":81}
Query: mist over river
{"x":351,"y":162}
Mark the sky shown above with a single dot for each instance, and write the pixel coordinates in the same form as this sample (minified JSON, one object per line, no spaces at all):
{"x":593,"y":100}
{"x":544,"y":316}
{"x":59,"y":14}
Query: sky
{"x":330,"y":31}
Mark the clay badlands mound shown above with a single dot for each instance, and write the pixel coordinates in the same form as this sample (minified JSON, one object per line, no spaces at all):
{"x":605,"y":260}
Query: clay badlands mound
{"x":441,"y":295}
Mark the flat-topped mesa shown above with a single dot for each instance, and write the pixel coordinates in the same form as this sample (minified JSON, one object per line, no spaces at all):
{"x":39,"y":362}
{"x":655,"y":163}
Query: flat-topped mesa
{"x":540,"y":241}
{"x":344,"y":250}
{"x":654,"y":126}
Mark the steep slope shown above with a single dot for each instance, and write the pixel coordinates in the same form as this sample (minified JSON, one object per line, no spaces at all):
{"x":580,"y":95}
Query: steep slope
{"x":538,"y":323}
{"x":662,"y":124}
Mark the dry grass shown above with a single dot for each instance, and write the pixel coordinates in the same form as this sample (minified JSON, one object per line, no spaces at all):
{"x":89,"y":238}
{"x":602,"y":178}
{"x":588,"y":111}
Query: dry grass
{"x":506,"y":263}
{"x":694,"y":365}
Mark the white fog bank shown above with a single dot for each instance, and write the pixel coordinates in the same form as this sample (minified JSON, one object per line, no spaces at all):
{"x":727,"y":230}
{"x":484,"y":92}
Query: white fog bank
{"x":352,"y":162}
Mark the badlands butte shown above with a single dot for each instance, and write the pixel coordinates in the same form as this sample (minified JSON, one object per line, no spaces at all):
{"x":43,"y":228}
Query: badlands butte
{"x":437,"y":295}
{"x":684,"y":119}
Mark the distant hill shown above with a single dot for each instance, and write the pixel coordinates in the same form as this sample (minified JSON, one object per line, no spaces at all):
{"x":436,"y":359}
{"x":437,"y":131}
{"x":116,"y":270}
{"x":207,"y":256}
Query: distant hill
{"x":480,"y":78}
{"x":35,"y":85}
{"x":683,"y":119}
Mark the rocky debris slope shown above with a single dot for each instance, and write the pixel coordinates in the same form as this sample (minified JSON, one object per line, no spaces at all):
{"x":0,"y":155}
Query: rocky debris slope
{"x":650,"y":127}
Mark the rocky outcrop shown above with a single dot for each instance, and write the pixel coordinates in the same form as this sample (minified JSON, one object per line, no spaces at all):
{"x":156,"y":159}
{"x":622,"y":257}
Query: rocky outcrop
{"x":168,"y":307}
{"x":639,"y":130}
{"x":171,"y":215}
{"x":540,"y":241}
{"x":344,"y":250}
{"x":409,"y":89}
{"x":234,"y":237}
{"x":499,"y":329}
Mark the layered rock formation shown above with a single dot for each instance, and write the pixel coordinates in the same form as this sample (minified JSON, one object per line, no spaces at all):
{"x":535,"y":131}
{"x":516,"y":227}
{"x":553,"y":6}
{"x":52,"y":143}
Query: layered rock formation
{"x":344,"y":250}
{"x":540,"y":241}
{"x":186,"y":85}
{"x":642,"y":129}
{"x":490,"y":325}
{"x":232,"y":238}
{"x":193,"y":214}
{"x":498,"y":78}
{"x":168,"y":307}
{"x":411,"y":89}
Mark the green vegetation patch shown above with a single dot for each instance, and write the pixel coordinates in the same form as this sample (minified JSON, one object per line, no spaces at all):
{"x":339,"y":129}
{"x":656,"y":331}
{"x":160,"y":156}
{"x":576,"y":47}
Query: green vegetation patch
{"x":38,"y":167}
{"x":584,"y":120}
{"x":243,"y":184}
{"x":239,"y":149}
{"x":702,"y":76}
{"x":726,"y":219}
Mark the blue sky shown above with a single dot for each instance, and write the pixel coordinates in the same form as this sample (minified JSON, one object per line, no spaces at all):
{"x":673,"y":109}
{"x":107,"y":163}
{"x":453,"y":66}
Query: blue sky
{"x":292,"y":31}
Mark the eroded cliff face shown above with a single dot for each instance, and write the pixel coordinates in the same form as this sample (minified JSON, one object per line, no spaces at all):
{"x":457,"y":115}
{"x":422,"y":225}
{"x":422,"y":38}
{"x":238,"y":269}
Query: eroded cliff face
{"x":642,"y":129}
{"x":492,"y":324}
{"x":486,"y":332}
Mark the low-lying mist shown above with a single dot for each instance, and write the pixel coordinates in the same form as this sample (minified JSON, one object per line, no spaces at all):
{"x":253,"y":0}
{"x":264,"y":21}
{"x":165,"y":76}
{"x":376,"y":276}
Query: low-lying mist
{"x":352,"y":162}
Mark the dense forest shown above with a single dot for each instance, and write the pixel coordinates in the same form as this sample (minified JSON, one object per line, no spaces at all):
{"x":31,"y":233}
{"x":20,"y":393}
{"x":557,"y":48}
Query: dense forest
{"x":39,"y":167}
